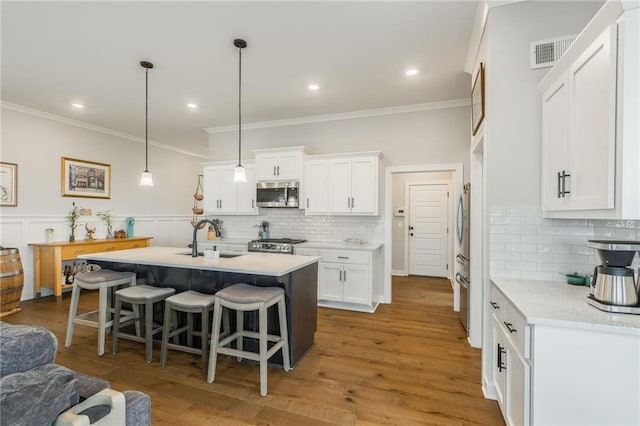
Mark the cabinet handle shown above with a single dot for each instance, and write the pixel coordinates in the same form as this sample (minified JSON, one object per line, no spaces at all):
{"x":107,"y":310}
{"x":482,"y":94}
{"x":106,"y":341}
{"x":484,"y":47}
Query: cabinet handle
{"x":343,"y":257}
{"x":253,"y":204}
{"x":307,"y":203}
{"x":79,"y":251}
{"x":501,"y":351}
{"x":559,"y":185}
{"x":109,"y":248}
{"x":349,"y":202}
{"x":340,"y":275}
{"x":495,"y":305}
{"x":278,"y":170}
{"x":136,"y":245}
{"x":353,"y":204}
{"x":564,"y":183}
{"x":274,"y":170}
{"x":344,"y":275}
{"x":220,"y":203}
{"x":508,"y":325}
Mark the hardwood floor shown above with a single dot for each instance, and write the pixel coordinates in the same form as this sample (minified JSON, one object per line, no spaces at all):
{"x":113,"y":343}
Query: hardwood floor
{"x":408,"y":363}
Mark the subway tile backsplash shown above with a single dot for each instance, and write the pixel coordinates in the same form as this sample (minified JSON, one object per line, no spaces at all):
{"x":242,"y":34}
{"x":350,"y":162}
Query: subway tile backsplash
{"x":525,"y":245}
{"x":292,"y":223}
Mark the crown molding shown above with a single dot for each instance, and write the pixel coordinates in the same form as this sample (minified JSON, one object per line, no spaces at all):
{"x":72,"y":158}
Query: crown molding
{"x":456,"y":103}
{"x":83,"y":125}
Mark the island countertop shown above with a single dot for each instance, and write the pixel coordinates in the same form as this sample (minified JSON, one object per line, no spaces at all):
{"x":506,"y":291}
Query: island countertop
{"x":268,"y":264}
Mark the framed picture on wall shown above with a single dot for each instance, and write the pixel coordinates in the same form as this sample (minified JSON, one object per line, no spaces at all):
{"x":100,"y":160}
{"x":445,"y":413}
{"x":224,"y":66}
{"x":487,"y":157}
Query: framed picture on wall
{"x":8,"y":184}
{"x":85,"y":178}
{"x":477,"y":99}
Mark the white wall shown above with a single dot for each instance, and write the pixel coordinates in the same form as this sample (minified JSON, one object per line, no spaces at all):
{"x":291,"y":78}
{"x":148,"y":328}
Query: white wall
{"x":37,"y":144}
{"x":423,"y":137}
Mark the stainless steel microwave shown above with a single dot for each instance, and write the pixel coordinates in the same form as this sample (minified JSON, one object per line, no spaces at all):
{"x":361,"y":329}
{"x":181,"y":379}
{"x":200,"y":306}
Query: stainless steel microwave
{"x":277,"y":194}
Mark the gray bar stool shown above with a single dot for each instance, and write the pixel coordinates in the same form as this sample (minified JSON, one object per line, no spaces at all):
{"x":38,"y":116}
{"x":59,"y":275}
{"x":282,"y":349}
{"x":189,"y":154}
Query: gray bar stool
{"x":243,"y":298}
{"x":103,"y":281}
{"x":146,"y":296}
{"x":190,"y":302}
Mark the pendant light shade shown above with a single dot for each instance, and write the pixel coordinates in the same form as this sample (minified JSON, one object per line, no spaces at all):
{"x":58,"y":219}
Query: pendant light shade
{"x":146,"y":178}
{"x":239,"y":174}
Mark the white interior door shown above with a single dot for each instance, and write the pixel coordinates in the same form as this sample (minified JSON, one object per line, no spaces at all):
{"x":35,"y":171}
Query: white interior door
{"x":428,"y":230}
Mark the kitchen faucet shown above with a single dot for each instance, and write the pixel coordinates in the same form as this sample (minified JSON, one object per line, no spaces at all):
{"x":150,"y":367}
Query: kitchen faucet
{"x":194,"y":245}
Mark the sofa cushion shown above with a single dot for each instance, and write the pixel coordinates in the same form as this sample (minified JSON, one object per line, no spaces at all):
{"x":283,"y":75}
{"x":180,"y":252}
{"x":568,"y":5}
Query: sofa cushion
{"x":37,"y":396}
{"x":23,"y":347}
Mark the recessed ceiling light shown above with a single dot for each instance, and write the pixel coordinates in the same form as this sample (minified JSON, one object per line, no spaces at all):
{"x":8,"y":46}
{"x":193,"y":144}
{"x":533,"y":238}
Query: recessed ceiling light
{"x":77,"y":106}
{"x":192,"y":106}
{"x":411,"y":72}
{"x":313,"y":86}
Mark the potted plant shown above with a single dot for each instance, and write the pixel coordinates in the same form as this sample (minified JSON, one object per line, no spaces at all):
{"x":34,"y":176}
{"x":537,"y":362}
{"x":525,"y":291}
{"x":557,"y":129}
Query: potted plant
{"x":106,"y":217}
{"x":72,"y":217}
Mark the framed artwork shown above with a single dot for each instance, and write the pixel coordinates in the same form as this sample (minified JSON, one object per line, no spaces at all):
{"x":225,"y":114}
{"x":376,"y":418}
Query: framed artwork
{"x":85,"y":178}
{"x":477,"y":100}
{"x":8,"y":184}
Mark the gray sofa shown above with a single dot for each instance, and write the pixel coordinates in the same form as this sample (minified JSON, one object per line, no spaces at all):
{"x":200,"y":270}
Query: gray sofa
{"x":35,"y":391}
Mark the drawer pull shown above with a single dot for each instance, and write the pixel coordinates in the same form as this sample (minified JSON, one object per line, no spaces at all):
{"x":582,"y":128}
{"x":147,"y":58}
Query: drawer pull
{"x":79,"y":251}
{"x":495,"y":305}
{"x":136,"y":245}
{"x":508,"y":325}
{"x":501,"y":351}
{"x":343,"y":257}
{"x":109,"y":248}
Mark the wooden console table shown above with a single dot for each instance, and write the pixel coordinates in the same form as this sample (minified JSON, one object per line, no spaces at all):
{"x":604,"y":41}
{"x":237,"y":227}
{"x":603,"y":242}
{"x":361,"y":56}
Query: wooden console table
{"x":48,"y":258}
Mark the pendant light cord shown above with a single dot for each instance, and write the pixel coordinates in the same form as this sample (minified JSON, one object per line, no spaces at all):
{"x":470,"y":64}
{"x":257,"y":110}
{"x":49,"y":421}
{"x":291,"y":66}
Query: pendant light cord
{"x":239,"y":105}
{"x":146,"y":120}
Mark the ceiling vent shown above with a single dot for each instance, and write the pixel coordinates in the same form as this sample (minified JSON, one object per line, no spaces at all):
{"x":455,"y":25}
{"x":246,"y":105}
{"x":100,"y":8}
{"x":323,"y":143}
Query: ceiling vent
{"x":546,"y":53}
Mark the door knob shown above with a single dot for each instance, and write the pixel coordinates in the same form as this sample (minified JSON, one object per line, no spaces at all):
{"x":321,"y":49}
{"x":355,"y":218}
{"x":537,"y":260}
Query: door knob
{"x":410,"y":228}
{"x":411,"y":234}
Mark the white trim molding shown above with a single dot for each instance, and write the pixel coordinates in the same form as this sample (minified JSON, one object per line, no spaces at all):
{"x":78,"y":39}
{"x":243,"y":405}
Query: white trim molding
{"x":83,"y":125}
{"x":456,"y":103}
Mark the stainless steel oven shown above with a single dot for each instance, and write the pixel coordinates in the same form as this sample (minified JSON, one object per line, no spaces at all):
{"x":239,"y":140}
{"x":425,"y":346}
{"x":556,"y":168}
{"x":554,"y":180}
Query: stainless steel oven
{"x":274,"y":245}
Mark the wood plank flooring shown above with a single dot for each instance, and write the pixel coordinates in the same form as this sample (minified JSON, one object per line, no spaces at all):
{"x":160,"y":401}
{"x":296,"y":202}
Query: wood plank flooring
{"x":408,"y":363}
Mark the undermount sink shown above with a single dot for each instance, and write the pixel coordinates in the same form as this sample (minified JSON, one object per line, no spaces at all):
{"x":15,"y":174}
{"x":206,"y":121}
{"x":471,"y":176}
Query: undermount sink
{"x":222,"y":255}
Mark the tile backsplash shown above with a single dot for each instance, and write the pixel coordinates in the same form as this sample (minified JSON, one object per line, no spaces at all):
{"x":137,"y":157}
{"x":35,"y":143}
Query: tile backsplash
{"x":525,"y":245}
{"x":292,"y":223}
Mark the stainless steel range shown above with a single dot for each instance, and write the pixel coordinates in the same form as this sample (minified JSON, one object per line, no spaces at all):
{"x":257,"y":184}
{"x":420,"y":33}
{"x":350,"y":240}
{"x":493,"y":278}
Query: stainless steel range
{"x":274,"y":245}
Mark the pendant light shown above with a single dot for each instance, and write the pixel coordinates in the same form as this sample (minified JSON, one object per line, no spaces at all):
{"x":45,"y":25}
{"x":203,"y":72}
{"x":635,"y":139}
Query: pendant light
{"x":146,"y":179}
{"x":239,"y":174}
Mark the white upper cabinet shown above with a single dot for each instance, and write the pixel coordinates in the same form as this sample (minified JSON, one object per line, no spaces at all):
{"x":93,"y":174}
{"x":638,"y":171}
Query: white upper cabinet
{"x":223,"y":196}
{"x":588,"y":124}
{"x":279,"y":164}
{"x":342,"y":184}
{"x":315,"y":187}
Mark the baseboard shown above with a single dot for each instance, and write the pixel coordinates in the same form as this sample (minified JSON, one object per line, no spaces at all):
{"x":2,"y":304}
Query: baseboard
{"x":399,"y":273}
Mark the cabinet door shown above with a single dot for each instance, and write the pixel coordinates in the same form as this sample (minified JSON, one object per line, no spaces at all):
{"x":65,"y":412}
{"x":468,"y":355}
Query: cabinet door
{"x":316,"y":186}
{"x":247,"y":193}
{"x":518,"y":384}
{"x":593,"y":87}
{"x":330,"y":281}
{"x":356,"y":281}
{"x":211,"y":190}
{"x":499,"y":364}
{"x":556,"y":147}
{"x":288,"y":166}
{"x":228,"y":191}
{"x":339,"y":186}
{"x":364,"y":185}
{"x":266,"y":167}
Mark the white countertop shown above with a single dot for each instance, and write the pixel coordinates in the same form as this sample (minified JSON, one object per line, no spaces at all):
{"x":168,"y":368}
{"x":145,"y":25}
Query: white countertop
{"x":564,"y":305}
{"x":223,"y":241}
{"x":248,"y":263}
{"x":340,"y":245}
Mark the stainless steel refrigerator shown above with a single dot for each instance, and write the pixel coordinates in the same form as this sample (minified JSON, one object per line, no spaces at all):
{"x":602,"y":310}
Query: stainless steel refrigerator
{"x":462,"y":234}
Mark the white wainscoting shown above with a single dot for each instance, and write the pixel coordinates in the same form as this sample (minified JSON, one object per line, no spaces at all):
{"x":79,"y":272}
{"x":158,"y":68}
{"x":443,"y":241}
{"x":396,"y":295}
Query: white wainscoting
{"x":19,"y":231}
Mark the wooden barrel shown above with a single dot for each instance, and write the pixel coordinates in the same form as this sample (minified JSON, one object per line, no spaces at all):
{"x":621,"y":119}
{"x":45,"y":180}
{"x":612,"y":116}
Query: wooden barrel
{"x":11,"y":281}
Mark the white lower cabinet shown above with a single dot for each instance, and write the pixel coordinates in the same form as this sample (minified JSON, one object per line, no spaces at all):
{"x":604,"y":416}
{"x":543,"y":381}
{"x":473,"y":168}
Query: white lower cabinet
{"x":511,"y":370}
{"x":347,"y":279}
{"x":551,"y":372}
{"x":341,"y":282}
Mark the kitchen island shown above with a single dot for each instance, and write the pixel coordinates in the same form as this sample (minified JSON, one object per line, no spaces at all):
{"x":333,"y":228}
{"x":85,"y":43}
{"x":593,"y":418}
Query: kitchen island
{"x":174,"y":267}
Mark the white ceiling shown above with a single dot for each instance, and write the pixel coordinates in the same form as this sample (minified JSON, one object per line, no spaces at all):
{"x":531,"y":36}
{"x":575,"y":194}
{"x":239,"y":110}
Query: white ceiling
{"x":56,"y":53}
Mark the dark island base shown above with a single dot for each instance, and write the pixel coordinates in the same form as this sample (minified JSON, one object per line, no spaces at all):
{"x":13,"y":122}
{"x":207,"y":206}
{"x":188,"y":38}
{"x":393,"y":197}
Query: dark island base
{"x":300,"y":286}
